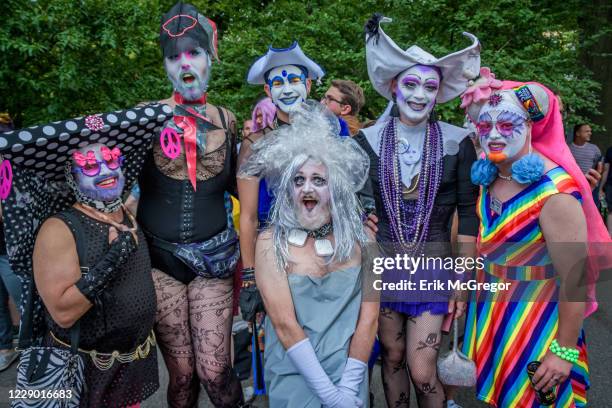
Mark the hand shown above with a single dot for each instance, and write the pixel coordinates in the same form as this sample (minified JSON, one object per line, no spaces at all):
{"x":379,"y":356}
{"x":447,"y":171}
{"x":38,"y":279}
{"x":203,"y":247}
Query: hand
{"x":112,"y":234}
{"x":456,"y":307}
{"x":370,"y":223}
{"x":593,"y":176}
{"x":552,"y":371}
{"x":344,"y":399}
{"x":250,"y":302}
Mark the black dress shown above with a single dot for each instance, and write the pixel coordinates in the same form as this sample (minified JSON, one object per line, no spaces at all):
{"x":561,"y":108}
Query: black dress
{"x":456,"y":192}
{"x":122,"y":323}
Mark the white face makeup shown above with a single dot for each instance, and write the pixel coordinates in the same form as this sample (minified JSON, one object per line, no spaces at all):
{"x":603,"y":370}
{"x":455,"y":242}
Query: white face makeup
{"x":311,"y":196}
{"x":189,"y":72}
{"x":502,"y":129}
{"x":287,"y":87}
{"x":416,"y":92}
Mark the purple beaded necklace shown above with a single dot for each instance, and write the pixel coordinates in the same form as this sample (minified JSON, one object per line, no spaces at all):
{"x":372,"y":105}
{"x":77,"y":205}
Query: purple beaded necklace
{"x":410,"y":234}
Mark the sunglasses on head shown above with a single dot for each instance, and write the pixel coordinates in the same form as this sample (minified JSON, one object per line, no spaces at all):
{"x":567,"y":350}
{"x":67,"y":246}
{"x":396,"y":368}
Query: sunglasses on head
{"x":89,"y":166}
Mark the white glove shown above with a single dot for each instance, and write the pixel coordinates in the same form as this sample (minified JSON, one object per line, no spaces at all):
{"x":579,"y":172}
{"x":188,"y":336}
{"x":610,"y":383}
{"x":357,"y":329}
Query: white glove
{"x":305,"y":360}
{"x":353,"y":376}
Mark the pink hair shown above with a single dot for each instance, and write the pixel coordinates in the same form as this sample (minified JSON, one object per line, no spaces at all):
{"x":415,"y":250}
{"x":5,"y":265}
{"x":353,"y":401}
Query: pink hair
{"x":268,"y":112}
{"x":548,"y":138}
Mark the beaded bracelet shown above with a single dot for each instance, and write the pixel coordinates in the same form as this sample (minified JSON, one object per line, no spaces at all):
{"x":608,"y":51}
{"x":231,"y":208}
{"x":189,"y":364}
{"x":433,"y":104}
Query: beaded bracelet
{"x":566,"y":353}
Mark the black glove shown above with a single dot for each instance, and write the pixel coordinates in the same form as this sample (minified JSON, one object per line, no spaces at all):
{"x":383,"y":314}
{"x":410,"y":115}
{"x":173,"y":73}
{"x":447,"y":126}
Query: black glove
{"x":95,"y":280}
{"x":250,"y":302}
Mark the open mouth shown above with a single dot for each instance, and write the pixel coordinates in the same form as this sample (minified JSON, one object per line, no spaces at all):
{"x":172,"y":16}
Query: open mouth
{"x":188,"y":78}
{"x":109,"y":182}
{"x":289,"y":101}
{"x":310,"y":203}
{"x":496,"y":147}
{"x":417,"y":106}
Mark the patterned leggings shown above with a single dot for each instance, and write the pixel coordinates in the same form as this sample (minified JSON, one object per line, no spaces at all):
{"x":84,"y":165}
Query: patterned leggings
{"x":410,"y":348}
{"x":193,"y":327}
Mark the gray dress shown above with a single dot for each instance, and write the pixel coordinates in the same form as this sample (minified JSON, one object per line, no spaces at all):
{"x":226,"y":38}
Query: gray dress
{"x":327,"y":308}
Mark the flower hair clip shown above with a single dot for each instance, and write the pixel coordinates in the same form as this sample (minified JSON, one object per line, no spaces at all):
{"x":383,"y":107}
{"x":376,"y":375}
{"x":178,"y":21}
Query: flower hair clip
{"x":481,"y":89}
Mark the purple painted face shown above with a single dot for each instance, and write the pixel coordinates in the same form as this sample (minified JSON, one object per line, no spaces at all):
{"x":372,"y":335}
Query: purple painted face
{"x":502,"y":130}
{"x":107,"y":185}
{"x":416,"y":92}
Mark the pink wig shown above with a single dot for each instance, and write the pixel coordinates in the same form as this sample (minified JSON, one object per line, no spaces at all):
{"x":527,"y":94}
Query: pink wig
{"x":548,"y":138}
{"x":268,"y":111}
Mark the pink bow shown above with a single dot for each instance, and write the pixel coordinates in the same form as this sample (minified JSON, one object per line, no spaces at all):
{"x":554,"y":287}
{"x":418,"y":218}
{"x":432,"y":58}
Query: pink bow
{"x":110,"y":155}
{"x":83,"y":160}
{"x":481,"y":89}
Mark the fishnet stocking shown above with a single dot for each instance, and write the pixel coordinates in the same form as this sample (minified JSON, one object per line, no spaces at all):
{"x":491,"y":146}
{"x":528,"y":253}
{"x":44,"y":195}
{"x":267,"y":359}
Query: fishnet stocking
{"x":413,"y":343}
{"x":193,"y":329}
{"x":210,"y":316}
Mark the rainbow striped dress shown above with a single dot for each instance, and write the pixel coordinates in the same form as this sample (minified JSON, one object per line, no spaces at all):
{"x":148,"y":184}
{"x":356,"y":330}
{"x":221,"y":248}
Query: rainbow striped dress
{"x":504,"y":332}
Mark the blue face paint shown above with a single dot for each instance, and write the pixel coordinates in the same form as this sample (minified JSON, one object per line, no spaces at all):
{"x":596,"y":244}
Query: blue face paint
{"x":287,"y":85}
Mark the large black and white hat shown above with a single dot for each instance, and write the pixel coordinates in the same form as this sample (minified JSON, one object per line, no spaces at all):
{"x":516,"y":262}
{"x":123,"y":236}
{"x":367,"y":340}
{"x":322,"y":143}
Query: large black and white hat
{"x":38,"y":157}
{"x":45,"y":149}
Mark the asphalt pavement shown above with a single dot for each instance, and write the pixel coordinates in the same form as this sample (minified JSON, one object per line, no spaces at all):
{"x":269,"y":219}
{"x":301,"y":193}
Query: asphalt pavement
{"x":598,"y":330}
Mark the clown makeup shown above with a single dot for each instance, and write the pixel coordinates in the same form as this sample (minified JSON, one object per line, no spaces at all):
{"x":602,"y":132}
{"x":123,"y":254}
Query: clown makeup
{"x":287,"y":85}
{"x":416,"y":92}
{"x":311,"y":196}
{"x":97,"y":172}
{"x":189,"y":72}
{"x":502,"y":133}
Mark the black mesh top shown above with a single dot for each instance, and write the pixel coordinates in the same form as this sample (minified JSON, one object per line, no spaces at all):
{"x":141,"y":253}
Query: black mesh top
{"x":122,"y":323}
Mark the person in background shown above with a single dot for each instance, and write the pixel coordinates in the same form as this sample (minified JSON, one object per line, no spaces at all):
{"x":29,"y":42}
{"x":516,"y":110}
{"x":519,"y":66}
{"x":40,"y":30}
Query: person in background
{"x":263,"y":115}
{"x":345,"y":99}
{"x":605,"y":189}
{"x":247,"y":128}
{"x":585,"y":153}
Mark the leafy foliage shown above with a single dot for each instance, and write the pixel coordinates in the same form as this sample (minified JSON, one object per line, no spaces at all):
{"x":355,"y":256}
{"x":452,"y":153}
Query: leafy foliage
{"x":63,"y":58}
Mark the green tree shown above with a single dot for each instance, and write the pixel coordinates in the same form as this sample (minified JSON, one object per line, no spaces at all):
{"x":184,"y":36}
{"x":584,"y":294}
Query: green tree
{"x":62,"y":58}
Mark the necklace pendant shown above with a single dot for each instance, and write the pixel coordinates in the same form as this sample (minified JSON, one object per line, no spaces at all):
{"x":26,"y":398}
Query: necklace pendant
{"x":496,"y":205}
{"x":323,"y":247}
{"x":297,"y":237}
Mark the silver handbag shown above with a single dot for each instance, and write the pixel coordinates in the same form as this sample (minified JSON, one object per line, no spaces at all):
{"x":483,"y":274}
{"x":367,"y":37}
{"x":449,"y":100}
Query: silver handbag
{"x":455,"y":368}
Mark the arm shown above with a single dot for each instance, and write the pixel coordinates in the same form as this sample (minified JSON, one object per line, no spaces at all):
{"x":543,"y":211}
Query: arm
{"x":56,"y":270}
{"x":566,"y":244}
{"x":365,"y":332}
{"x":274,"y":289}
{"x":467,"y":226}
{"x":231,"y":123}
{"x":604,"y":179}
{"x":66,"y":292}
{"x":248,"y":193}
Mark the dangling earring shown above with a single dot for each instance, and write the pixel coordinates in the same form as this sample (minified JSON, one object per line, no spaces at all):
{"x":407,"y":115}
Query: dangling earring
{"x":529,"y":168}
